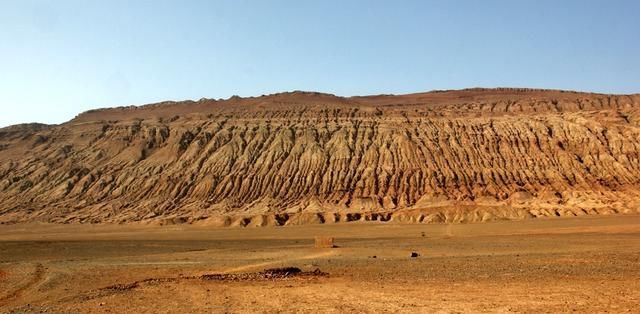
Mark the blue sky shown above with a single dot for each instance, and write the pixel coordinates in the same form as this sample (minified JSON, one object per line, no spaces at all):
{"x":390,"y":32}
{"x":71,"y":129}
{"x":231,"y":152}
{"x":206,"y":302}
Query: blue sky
{"x":58,"y":58}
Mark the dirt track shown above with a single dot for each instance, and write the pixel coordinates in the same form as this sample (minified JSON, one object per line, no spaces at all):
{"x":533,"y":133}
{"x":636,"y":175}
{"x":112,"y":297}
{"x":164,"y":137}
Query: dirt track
{"x":586,"y":264}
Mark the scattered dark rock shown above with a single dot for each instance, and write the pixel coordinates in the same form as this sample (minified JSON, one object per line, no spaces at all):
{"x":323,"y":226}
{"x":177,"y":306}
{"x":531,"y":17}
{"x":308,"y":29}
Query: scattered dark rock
{"x":122,"y":287}
{"x":267,"y":274}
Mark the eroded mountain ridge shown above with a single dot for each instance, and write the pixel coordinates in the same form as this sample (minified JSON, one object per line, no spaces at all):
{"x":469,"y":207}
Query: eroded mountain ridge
{"x":294,"y":158}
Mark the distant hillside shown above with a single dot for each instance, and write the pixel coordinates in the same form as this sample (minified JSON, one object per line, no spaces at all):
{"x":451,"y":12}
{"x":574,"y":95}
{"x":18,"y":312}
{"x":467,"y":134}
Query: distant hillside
{"x":306,"y":157}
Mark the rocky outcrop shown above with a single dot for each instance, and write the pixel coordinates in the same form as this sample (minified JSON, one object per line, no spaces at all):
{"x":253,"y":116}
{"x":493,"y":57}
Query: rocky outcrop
{"x":295,"y":158}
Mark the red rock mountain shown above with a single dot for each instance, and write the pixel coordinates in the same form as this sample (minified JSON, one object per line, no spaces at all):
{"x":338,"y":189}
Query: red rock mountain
{"x":301,"y":157}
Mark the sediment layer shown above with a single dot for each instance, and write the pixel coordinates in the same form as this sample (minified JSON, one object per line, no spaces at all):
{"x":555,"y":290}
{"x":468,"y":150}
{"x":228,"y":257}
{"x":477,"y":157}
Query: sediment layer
{"x":295,"y":158}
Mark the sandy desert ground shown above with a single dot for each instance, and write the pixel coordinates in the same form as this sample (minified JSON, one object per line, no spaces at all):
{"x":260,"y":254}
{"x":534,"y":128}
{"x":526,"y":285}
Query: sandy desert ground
{"x":580,"y":264}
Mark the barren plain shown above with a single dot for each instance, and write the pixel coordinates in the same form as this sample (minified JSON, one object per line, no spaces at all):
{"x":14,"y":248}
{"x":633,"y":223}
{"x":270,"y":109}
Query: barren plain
{"x":547,"y":265}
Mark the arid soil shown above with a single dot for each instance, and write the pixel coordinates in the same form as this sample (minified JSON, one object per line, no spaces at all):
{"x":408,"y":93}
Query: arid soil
{"x":547,"y":265}
{"x":310,"y":158}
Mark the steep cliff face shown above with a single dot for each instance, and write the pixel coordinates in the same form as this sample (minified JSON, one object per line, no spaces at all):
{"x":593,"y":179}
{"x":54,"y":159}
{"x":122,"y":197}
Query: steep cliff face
{"x":451,"y":156}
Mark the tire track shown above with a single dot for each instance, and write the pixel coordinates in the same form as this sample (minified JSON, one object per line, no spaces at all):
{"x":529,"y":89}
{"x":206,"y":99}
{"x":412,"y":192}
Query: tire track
{"x":38,"y":276}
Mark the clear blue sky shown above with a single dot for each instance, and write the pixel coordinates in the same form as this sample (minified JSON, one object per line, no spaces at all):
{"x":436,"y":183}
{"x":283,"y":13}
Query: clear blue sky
{"x":58,"y":58}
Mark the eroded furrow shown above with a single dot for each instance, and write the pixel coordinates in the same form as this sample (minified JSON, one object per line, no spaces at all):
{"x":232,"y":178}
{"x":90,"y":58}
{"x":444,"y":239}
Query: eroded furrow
{"x":543,"y":156}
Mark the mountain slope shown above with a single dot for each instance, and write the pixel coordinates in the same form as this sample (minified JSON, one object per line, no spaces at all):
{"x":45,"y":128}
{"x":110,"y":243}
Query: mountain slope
{"x":301,"y":157}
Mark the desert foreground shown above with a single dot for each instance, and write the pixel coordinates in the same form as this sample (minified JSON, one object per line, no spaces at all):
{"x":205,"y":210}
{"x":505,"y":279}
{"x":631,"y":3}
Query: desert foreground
{"x":583,"y":264}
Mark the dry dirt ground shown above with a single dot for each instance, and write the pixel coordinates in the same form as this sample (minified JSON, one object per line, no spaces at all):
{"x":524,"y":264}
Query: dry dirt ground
{"x":583,"y":264}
